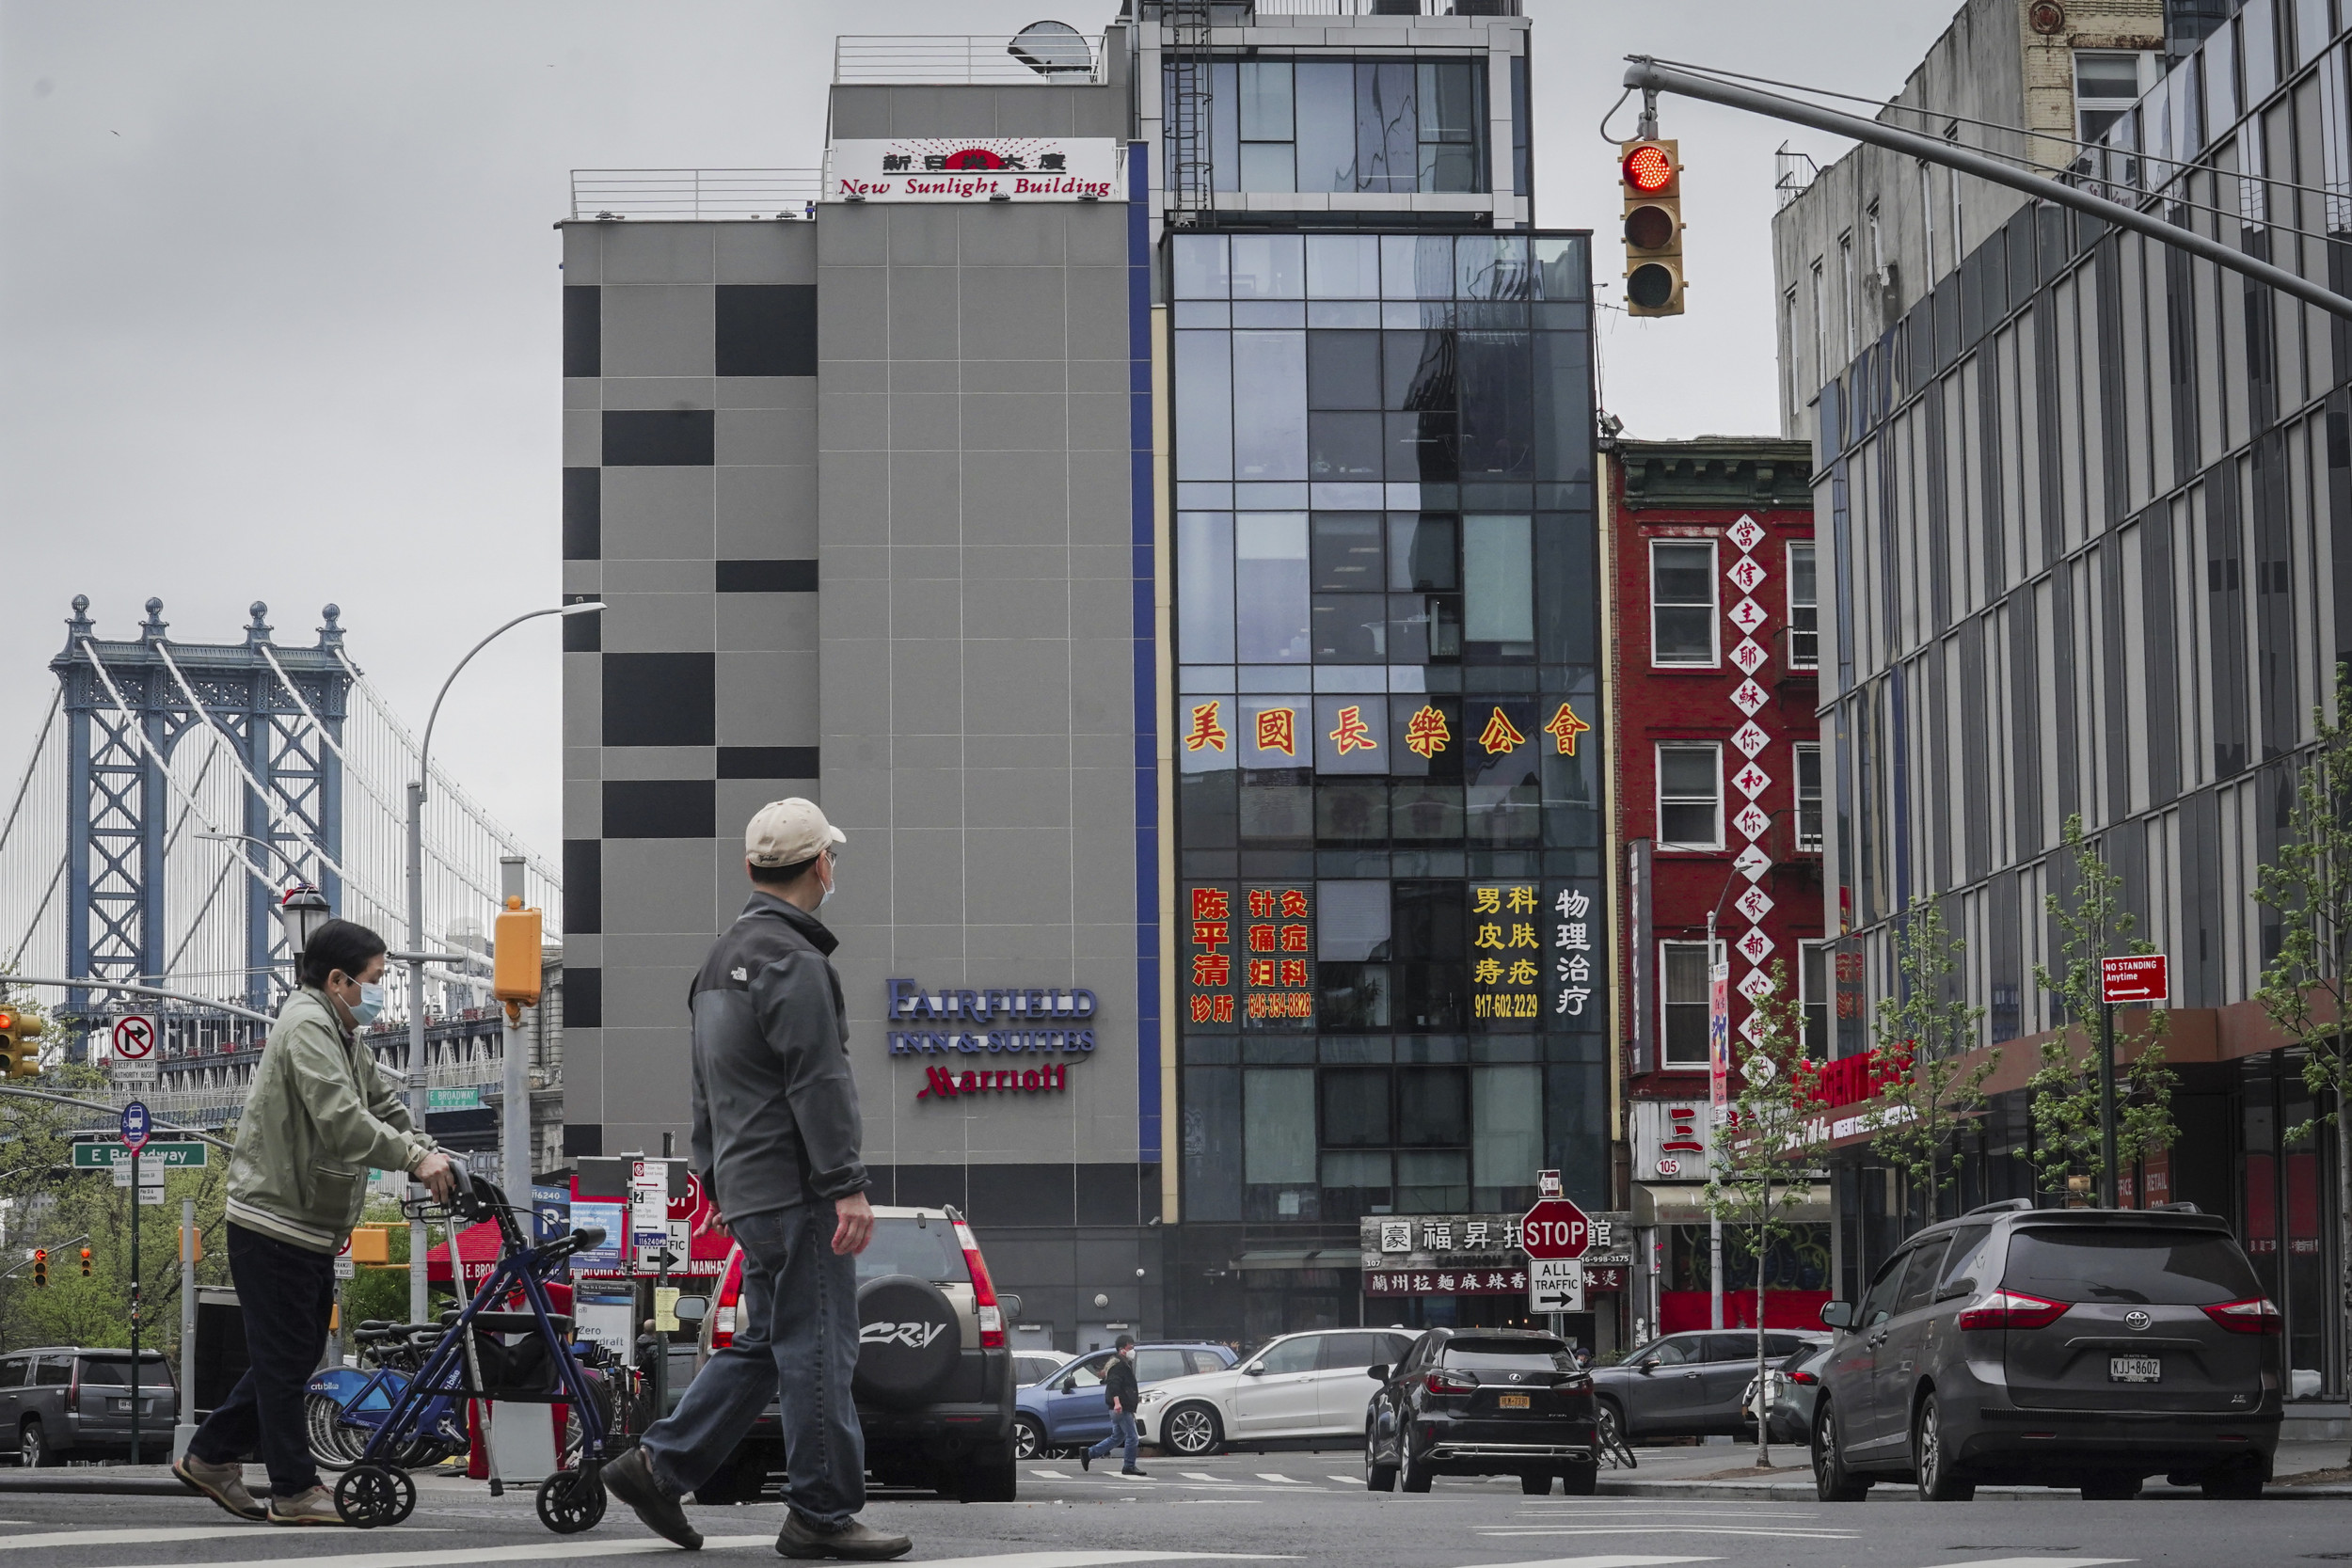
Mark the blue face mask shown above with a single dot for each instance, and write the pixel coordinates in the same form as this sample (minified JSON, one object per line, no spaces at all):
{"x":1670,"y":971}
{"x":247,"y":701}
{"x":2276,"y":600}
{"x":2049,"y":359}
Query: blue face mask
{"x":371,"y":1002}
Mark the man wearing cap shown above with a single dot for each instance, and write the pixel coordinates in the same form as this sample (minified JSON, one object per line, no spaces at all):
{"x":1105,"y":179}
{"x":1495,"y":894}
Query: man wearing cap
{"x":775,"y":1141}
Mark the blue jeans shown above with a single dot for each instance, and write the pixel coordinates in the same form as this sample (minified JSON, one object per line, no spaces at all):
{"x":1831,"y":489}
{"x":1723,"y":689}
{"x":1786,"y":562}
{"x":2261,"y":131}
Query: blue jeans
{"x":1122,"y":1432}
{"x":797,"y":1329}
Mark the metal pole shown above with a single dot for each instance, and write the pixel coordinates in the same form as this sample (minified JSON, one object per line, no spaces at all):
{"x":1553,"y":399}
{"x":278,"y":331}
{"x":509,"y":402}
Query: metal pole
{"x":419,"y":1098}
{"x":2107,"y":1101}
{"x":184,"y":1425}
{"x":134,"y":1304}
{"x":1649,"y":76}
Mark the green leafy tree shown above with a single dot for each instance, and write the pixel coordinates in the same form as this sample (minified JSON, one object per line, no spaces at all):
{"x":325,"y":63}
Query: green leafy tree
{"x":1757,"y":1179}
{"x":2063,"y":1093}
{"x":2307,"y":987}
{"x":1928,"y":1090}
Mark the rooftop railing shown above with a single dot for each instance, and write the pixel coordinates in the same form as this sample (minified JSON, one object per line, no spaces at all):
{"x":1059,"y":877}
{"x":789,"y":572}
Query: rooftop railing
{"x":690,"y":195}
{"x":1068,"y":59}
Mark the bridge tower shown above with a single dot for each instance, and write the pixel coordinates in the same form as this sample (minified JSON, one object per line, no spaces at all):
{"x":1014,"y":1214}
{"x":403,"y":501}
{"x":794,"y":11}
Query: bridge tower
{"x":127,"y":705}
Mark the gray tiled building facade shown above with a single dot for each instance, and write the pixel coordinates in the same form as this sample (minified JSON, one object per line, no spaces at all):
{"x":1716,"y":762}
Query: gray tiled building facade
{"x":883,"y":508}
{"x":2088,"y":511}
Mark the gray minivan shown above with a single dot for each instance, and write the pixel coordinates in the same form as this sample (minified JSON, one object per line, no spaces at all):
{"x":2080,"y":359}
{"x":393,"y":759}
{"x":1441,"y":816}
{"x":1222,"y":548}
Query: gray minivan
{"x":2085,"y":1348}
{"x":61,"y":1402}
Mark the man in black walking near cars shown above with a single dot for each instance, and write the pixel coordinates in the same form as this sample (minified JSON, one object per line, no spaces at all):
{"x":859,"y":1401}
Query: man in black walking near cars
{"x":1119,"y":1392}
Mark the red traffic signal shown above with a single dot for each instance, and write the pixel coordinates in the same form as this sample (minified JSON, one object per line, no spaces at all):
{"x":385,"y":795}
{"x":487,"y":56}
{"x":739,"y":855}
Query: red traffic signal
{"x":1648,"y":168}
{"x":1651,"y":169}
{"x":40,"y":1267}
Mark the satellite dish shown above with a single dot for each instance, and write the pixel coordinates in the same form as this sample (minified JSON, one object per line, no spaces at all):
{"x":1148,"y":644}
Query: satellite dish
{"x":1053,"y":49}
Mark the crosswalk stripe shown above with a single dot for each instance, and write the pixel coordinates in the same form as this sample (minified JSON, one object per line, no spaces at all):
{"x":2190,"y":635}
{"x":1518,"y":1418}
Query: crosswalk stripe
{"x":1346,"y":1480}
{"x":147,"y":1537}
{"x":568,"y":1546}
{"x":1195,"y":1475}
{"x":1052,"y":1475}
{"x":1287,"y":1480}
{"x":1510,"y":1533}
{"x":1611,"y":1562}
{"x":2036,"y":1561}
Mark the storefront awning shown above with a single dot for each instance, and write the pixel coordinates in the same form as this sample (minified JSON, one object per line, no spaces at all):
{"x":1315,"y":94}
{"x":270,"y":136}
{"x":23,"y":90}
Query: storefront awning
{"x":1685,"y":1203}
{"x":1322,"y":1258}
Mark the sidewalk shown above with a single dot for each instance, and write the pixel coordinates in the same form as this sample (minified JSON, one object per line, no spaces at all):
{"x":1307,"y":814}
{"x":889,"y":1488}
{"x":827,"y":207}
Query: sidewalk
{"x":1726,"y":1470}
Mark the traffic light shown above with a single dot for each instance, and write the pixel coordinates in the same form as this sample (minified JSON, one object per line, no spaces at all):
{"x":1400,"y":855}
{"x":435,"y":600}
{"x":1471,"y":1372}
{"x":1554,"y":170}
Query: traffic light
{"x":86,"y":1263}
{"x":514,"y":973}
{"x":40,"y":1268}
{"x":1651,"y":169}
{"x":17,"y":1033}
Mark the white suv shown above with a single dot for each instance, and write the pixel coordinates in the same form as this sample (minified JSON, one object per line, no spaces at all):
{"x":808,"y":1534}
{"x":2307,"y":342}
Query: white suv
{"x":1303,"y":1390}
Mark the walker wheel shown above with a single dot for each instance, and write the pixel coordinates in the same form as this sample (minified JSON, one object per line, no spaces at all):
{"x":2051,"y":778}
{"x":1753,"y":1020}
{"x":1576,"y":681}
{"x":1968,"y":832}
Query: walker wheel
{"x":372,"y":1494}
{"x":571,"y":1501}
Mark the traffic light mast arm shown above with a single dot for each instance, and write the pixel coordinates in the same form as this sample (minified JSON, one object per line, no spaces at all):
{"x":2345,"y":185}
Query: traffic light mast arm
{"x":54,"y":1251}
{"x":1651,"y":78}
{"x":113,"y":1110}
{"x":88,"y":984}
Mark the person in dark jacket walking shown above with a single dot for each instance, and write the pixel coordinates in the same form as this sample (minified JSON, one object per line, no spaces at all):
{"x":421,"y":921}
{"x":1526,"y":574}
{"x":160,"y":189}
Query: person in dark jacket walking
{"x":1119,"y":1392}
{"x":776,"y":1142}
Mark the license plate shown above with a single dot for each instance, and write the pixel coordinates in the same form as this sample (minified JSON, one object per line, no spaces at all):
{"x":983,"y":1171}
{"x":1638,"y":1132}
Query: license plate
{"x":1512,"y":1402}
{"x":2134,"y":1369}
{"x":121,"y":1405}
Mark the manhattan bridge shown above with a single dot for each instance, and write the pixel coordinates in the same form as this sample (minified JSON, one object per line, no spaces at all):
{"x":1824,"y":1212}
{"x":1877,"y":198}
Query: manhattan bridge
{"x":171,"y":793}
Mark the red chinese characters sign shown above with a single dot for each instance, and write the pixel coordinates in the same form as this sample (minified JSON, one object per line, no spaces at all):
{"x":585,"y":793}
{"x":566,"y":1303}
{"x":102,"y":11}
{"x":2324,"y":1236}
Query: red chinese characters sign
{"x":1248,"y":955}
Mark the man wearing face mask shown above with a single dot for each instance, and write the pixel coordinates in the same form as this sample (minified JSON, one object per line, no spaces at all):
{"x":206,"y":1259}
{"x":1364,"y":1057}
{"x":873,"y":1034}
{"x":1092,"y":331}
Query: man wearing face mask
{"x":318,"y":1116}
{"x":776,"y":1142}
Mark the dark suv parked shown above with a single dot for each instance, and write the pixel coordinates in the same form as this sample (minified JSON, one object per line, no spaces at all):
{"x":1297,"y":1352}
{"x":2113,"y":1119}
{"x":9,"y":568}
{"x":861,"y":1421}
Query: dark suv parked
{"x":63,"y":1402}
{"x":1481,"y":1402}
{"x":2063,"y":1347}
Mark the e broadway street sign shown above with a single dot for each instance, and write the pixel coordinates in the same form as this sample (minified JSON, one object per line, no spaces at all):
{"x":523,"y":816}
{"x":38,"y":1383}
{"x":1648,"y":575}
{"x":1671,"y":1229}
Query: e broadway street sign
{"x":188,"y":1154}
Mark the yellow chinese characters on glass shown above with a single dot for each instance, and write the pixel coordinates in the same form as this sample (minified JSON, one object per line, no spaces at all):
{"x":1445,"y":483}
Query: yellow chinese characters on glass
{"x":1563,"y":729}
{"x":1504,"y":973}
{"x":1205,"y":729}
{"x":1425,"y":733}
{"x":1278,"y":731}
{"x":1500,"y":737}
{"x":1352,"y":734}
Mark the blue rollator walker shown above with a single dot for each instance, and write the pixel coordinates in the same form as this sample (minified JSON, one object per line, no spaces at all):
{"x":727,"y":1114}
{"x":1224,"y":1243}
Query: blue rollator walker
{"x":536,"y":1370}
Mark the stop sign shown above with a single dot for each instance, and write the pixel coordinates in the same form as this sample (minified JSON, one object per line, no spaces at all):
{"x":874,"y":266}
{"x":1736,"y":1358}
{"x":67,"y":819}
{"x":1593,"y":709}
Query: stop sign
{"x":1555,"y":1228}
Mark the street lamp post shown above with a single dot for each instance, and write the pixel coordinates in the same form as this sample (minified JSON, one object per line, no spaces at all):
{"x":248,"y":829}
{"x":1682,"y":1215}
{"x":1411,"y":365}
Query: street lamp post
{"x":418,"y":1096}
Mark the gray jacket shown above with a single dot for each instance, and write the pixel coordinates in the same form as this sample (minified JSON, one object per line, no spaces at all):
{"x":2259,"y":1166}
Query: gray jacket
{"x":775,"y":1107}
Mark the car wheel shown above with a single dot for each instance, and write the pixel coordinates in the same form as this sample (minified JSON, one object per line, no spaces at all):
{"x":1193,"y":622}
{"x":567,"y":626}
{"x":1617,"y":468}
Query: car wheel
{"x":1536,"y":1485}
{"x":987,"y":1478}
{"x":1940,"y":1479}
{"x":1609,"y":1424}
{"x":1191,"y":1430}
{"x":31,"y":1446}
{"x":1029,"y":1438}
{"x":2112,"y":1489}
{"x":1832,"y":1482}
{"x":2240,"y":1481}
{"x":1377,"y":1476}
{"x":1580,"y":1481}
{"x":1418,"y":1475}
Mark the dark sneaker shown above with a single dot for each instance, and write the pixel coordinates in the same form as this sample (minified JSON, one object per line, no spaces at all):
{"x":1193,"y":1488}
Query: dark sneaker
{"x":1145,"y":1474}
{"x":804,"y":1537}
{"x":630,"y":1478}
{"x":1086,"y":1459}
{"x":223,"y":1483}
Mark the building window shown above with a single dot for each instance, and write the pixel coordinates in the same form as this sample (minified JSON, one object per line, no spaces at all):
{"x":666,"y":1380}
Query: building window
{"x":1682,"y":615}
{"x":1390,"y":127}
{"x":1926,"y":217}
{"x":1817,"y":992}
{"x":1846,"y":283}
{"x":1877,"y":240}
{"x":2106,"y":84}
{"x":1691,"y":796}
{"x":1821,"y":324}
{"x":1789,"y":364}
{"x":1804,"y":610}
{"x":1682,"y":1002}
{"x":1809,"y":796}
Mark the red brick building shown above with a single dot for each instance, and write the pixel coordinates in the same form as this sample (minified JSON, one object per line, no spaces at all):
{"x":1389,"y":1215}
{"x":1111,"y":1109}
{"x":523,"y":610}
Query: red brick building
{"x":1714,"y":611}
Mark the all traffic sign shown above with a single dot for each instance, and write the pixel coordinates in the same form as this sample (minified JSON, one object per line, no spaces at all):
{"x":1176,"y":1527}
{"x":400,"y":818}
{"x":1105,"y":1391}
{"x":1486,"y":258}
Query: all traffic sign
{"x":1555,"y":1228}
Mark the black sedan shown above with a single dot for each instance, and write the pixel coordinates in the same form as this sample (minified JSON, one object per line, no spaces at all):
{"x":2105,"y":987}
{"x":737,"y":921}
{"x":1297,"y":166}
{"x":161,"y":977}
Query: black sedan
{"x":1482,"y":1402}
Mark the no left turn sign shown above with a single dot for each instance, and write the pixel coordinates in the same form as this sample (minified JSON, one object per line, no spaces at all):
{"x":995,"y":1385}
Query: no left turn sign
{"x":134,"y":1038}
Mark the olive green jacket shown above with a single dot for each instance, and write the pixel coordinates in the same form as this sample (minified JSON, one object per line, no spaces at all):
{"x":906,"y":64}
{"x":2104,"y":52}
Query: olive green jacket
{"x":319,"y":1114}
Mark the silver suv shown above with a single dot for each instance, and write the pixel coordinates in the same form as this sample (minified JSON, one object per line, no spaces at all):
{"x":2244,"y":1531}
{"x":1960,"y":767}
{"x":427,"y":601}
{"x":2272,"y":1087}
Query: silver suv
{"x":2058,"y":1347}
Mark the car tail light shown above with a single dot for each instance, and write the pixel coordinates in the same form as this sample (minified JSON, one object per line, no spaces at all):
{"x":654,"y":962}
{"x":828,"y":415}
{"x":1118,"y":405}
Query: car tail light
{"x":984,"y":1307}
{"x":730,"y":1301}
{"x":2012,"y":1309}
{"x":1442,"y":1381}
{"x":1805,"y":1378}
{"x":2254,"y":1315}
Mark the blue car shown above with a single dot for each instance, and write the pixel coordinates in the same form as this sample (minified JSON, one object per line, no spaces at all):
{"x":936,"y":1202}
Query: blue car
{"x":1065,"y":1410}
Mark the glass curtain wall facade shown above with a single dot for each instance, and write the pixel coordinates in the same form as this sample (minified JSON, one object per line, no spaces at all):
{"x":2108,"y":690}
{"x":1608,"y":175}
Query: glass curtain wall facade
{"x":1389,"y":912}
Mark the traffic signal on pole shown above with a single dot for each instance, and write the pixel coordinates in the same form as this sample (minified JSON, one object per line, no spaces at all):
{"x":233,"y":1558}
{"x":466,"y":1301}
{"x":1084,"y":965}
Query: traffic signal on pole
{"x":40,"y":1268}
{"x":17,"y":1033}
{"x":515,"y":972}
{"x":86,"y":1263}
{"x":1651,"y":170}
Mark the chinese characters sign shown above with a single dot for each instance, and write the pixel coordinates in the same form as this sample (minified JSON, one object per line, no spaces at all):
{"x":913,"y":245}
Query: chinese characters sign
{"x":964,"y":168}
{"x":1248,"y":955}
{"x":1506,"y":952}
{"x":1446,"y":1282}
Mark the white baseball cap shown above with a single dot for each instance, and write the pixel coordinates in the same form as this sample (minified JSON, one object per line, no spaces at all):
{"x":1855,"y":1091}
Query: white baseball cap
{"x":786,"y":833}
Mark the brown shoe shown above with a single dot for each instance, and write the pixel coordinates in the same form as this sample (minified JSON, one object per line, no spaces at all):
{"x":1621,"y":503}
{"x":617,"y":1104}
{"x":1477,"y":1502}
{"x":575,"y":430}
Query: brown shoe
{"x":630,"y":1478}
{"x":315,"y":1507}
{"x":855,"y":1540}
{"x":223,"y":1483}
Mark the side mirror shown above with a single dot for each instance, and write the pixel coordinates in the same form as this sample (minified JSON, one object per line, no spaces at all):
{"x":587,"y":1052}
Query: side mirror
{"x":1378,"y":1371}
{"x":1837,"y":1314}
{"x":1255,"y":1369}
{"x":1011,"y":1304}
{"x":1649,"y":1366}
{"x":692,"y":1310}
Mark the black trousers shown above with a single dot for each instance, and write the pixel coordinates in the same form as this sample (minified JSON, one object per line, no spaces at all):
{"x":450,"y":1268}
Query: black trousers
{"x":288,"y":1297}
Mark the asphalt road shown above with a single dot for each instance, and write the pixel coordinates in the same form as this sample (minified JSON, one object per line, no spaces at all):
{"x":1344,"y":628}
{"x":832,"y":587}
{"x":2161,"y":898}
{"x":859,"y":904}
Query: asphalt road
{"x":1307,"y":1508}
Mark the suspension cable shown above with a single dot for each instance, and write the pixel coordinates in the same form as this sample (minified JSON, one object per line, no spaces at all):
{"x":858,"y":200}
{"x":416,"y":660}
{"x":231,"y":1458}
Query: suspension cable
{"x":57,"y":700}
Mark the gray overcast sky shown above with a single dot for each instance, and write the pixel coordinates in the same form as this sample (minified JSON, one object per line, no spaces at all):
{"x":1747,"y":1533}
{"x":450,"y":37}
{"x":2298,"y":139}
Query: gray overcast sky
{"x":278,"y":291}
